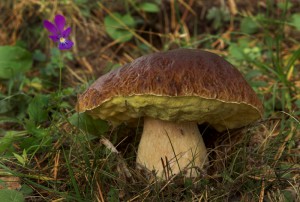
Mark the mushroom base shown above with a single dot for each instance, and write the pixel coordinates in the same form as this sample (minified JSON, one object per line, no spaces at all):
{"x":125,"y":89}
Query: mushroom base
{"x":170,"y":147}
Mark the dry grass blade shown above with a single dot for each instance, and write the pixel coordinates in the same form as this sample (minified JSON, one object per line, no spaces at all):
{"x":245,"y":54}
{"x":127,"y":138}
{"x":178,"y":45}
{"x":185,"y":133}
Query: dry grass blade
{"x":262,"y":190}
{"x":100,"y":197}
{"x":9,"y":182}
{"x":122,"y":165}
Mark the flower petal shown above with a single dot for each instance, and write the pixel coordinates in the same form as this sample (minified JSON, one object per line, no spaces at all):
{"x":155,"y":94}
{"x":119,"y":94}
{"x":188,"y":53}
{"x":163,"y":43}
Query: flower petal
{"x":50,"y":27}
{"x":54,"y":38}
{"x":66,"y":45}
{"x":60,"y":22}
{"x":66,"y":32}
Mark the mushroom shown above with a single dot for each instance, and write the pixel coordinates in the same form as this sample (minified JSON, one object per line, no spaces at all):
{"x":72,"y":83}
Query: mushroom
{"x":173,"y":91}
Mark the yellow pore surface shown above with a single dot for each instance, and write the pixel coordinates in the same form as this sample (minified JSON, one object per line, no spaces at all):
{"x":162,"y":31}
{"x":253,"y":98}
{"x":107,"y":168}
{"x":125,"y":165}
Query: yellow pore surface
{"x":221,"y":115}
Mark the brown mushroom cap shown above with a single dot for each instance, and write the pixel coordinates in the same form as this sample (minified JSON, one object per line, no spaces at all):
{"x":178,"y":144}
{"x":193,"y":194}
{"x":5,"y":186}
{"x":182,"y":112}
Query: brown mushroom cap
{"x":177,"y":85}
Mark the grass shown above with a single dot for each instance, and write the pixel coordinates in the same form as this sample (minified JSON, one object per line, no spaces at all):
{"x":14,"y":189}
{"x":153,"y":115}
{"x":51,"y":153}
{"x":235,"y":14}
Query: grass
{"x":50,"y":153}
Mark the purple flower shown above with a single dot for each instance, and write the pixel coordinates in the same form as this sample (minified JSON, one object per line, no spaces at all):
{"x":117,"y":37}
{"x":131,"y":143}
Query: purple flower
{"x":59,"y":35}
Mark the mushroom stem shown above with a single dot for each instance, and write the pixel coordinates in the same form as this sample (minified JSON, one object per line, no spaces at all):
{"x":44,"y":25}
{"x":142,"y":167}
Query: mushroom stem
{"x":178,"y":145}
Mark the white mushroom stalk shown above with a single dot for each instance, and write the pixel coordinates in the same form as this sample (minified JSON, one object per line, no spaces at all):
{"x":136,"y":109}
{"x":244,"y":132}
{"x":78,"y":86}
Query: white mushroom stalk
{"x":169,"y":148}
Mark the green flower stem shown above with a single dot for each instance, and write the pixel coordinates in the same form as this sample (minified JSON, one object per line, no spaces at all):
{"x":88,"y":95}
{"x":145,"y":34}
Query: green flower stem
{"x":60,"y":65}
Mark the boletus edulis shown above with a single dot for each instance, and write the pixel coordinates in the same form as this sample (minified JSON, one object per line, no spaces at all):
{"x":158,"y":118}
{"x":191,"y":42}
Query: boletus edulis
{"x":172,"y":92}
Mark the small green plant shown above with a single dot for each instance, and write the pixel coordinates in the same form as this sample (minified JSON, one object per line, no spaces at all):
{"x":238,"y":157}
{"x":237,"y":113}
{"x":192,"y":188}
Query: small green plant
{"x":148,"y":7}
{"x":23,"y":159}
{"x":119,"y":27}
{"x":8,"y":195}
{"x":14,"y":61}
{"x":295,"y":20}
{"x":218,"y":16}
